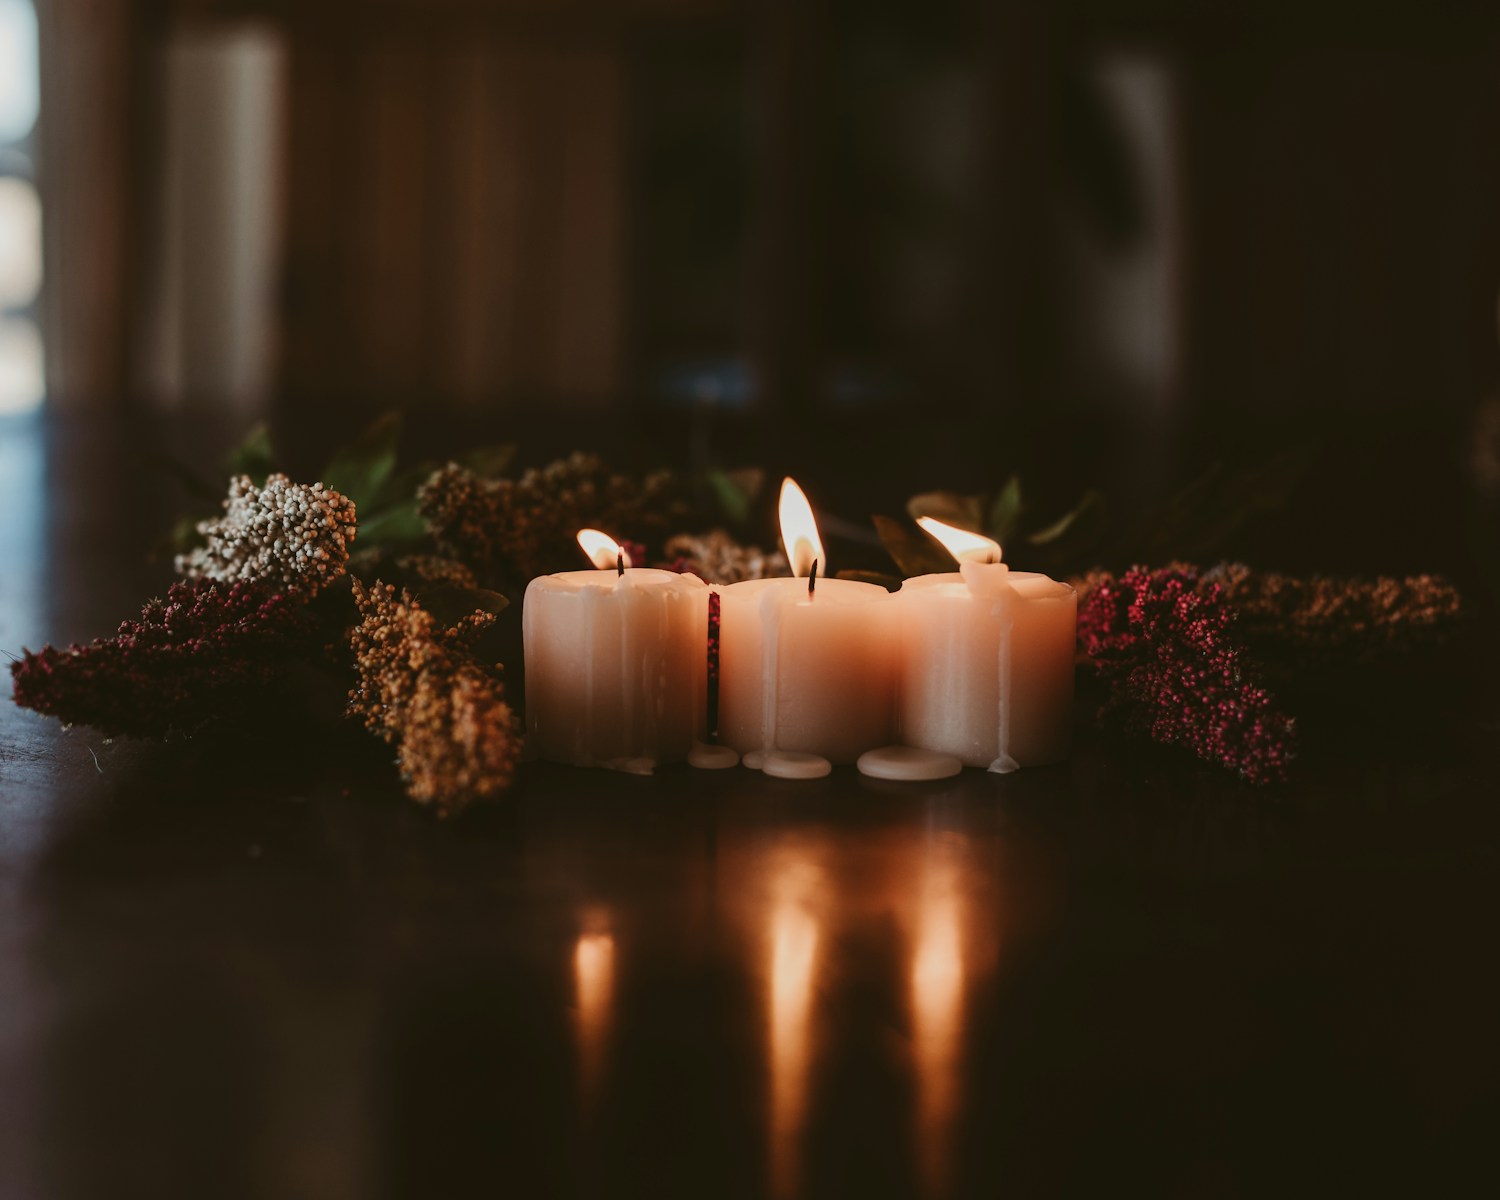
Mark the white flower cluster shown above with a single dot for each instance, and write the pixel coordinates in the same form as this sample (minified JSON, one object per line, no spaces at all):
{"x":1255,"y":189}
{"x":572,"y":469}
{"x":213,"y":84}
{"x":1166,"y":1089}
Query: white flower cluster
{"x":715,"y":557}
{"x":292,"y":534}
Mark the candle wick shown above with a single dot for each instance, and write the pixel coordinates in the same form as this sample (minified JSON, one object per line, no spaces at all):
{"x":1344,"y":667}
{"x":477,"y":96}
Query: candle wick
{"x":620,"y":562}
{"x":812,"y":579}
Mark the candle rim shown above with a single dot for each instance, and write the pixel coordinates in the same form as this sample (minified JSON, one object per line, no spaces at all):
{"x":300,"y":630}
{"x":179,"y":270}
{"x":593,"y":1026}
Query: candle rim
{"x":600,"y":579}
{"x":835,"y":590}
{"x":1025,"y":583}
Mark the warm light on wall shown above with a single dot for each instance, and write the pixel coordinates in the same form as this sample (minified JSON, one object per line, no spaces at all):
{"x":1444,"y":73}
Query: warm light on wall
{"x":22,"y":375}
{"x":18,"y":70}
{"x":21,"y":371}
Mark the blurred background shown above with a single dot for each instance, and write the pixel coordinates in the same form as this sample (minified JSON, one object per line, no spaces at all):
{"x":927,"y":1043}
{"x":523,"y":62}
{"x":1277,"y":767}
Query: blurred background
{"x":894,"y":246}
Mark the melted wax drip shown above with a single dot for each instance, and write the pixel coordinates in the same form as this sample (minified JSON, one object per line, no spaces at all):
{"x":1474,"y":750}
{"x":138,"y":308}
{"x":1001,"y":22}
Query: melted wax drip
{"x":630,"y":766}
{"x":712,"y":758}
{"x":908,"y":763}
{"x":791,"y":764}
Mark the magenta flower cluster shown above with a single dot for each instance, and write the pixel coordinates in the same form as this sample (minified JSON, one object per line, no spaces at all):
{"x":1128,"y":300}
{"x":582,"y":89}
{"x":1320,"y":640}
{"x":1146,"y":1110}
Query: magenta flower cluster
{"x":206,"y":650}
{"x":1163,"y":644}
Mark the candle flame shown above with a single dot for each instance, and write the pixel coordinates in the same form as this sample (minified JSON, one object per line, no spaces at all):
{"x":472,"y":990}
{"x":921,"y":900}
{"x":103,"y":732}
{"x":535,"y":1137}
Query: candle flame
{"x":799,"y":531}
{"x":963,"y":544}
{"x":603,"y":551}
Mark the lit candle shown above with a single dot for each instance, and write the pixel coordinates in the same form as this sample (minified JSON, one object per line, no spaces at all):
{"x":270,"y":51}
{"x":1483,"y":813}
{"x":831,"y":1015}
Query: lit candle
{"x":806,"y":665}
{"x":616,"y":672}
{"x":986,"y":658}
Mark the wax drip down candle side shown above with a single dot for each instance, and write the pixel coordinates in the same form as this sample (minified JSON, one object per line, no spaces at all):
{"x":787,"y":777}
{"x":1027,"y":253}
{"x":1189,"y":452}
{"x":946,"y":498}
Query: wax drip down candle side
{"x":616,"y":674}
{"x":986,"y":658}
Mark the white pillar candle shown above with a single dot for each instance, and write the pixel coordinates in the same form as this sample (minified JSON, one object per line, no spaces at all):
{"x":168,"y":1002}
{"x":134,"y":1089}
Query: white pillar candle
{"x":806,"y":665}
{"x":616,"y":664}
{"x":986,"y":659}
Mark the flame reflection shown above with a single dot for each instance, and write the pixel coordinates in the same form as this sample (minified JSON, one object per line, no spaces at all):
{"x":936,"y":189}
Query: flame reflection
{"x":937,"y":996}
{"x":936,"y":1028}
{"x":594,"y":985}
{"x":794,"y":952}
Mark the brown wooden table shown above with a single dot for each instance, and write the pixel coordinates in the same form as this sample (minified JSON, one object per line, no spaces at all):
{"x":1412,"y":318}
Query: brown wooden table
{"x":232,"y":969}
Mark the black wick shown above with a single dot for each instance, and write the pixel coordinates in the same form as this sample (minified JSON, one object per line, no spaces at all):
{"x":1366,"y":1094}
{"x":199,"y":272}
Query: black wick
{"x":812,"y":579}
{"x":620,"y":562}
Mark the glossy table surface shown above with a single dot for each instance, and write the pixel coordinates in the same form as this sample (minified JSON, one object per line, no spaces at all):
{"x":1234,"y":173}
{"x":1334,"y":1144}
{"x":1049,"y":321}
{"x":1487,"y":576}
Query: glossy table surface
{"x":232,"y":969}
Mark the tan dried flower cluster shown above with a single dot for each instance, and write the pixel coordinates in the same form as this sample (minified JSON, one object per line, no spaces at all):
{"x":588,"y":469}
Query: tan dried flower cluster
{"x":288,"y":534}
{"x":435,"y":569}
{"x":1317,"y":617}
{"x":521,"y":528}
{"x":716,"y":557}
{"x":1353,"y":618}
{"x":416,"y":571}
{"x":421,"y":688}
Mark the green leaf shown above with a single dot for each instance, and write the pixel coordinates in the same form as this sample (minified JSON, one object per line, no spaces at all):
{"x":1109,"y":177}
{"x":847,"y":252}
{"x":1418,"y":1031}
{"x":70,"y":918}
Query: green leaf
{"x":254,"y":456}
{"x":891,"y":583}
{"x":1005,"y":512}
{"x":183,"y":537}
{"x":359,"y":470}
{"x":1199,"y":520}
{"x":1272,"y":484}
{"x":1159,"y":534}
{"x":403,"y":484}
{"x":185,"y":477}
{"x":913,"y":552}
{"x":399,"y":522}
{"x":736,"y":491}
{"x":1088,"y":508}
{"x":1194,"y":498}
{"x":450,"y":603}
{"x":966,"y":512}
{"x":487,"y":461}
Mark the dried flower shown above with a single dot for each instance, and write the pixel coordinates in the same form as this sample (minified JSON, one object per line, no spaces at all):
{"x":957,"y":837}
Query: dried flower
{"x":1163,"y":643}
{"x":1353,"y":619}
{"x":715,"y":624}
{"x":433,"y":568}
{"x":290,"y":534}
{"x":421,"y":688}
{"x":519,"y":528}
{"x":1323,"y":619}
{"x":716,"y":557}
{"x":206,"y":651}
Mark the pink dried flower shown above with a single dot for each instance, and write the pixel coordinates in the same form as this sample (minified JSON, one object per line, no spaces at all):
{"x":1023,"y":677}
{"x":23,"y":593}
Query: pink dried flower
{"x":1163,"y":643}
{"x":208,"y":650}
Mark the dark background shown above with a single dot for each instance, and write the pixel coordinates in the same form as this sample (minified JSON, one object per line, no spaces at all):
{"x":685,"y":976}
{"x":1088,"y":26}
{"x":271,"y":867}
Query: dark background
{"x":890,"y":246}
